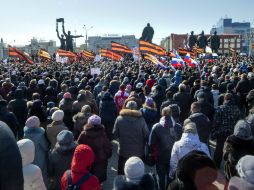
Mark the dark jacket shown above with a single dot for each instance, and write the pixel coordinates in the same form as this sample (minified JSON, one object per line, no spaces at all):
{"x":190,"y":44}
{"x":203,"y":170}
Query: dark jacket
{"x":66,"y":106}
{"x":234,"y":149}
{"x":96,"y":138}
{"x":150,"y":115}
{"x":131,"y":130}
{"x":208,"y":94}
{"x":37,"y":109}
{"x":59,"y":162}
{"x":206,"y":108}
{"x":203,"y":126}
{"x":80,"y":119}
{"x":183,"y":101}
{"x":11,"y":173}
{"x":162,"y":139}
{"x":108,"y":113}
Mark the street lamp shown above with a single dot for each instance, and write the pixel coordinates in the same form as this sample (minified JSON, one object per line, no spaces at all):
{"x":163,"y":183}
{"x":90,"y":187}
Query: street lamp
{"x":86,"y":30}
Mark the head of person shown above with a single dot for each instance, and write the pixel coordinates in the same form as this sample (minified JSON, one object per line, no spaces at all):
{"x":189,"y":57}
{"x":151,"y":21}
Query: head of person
{"x":167,"y":120}
{"x":242,"y":130}
{"x":65,"y":141}
{"x":58,"y":116}
{"x":67,"y":96}
{"x":182,"y":88}
{"x":132,"y":105}
{"x":86,"y":109}
{"x":149,"y":102}
{"x":33,"y":122}
{"x":190,"y":127}
{"x":195,"y":107}
{"x":93,"y":121}
{"x":227,"y":97}
{"x":83,"y":159}
{"x":27,"y":151}
{"x":134,"y":169}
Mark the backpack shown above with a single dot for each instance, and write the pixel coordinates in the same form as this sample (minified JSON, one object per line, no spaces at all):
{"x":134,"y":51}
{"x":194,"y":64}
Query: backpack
{"x":80,"y":182}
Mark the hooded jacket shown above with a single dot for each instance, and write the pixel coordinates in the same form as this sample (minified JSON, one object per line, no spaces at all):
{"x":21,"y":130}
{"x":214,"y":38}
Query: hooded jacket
{"x":32,"y":174}
{"x":186,"y":144}
{"x":53,"y":130}
{"x":131,"y":130}
{"x":82,"y":161}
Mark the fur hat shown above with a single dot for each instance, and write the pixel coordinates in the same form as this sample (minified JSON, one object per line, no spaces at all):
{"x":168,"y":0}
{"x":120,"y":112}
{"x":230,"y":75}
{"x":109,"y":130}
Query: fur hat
{"x":131,"y":105}
{"x":33,"y":122}
{"x":134,"y":169}
{"x":242,"y":130}
{"x":57,"y":115}
{"x":94,"y":120}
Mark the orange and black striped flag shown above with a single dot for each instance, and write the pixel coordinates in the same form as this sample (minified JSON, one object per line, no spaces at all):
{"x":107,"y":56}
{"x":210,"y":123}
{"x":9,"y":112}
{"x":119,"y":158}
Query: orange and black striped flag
{"x":87,"y":54}
{"x":197,"y":50}
{"x":252,"y":46}
{"x":110,"y":54}
{"x":147,"y":47}
{"x":183,"y":52}
{"x":22,"y":55}
{"x":63,"y":53}
{"x":120,"y":48}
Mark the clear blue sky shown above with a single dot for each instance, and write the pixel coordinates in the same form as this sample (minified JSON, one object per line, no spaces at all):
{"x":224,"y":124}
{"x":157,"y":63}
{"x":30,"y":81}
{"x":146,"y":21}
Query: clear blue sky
{"x":20,"y":20}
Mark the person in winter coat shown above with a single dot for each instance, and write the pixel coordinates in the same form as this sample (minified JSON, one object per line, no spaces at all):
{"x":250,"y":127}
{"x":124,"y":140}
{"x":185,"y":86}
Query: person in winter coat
{"x":149,"y":112}
{"x":195,"y":171}
{"x":206,"y":89}
{"x":80,"y":119}
{"x":134,"y":177}
{"x":35,"y":133}
{"x":188,"y":142}
{"x":32,"y":174}
{"x":94,"y":136}
{"x":55,"y":127}
{"x":19,"y":108}
{"x":239,"y":144}
{"x":245,"y":170}
{"x":66,"y":105}
{"x":108,"y":113}
{"x":81,"y":165}
{"x":184,"y":100}
{"x":60,"y":158}
{"x":131,"y":130}
{"x":79,"y":103}
{"x":226,"y":116}
{"x":38,"y":110}
{"x":216,"y":95}
{"x":158,"y":96}
{"x":11,"y":175}
{"x":161,"y":140}
{"x":120,"y":97}
{"x":8,"y":117}
{"x":202,"y":122}
{"x":205,"y":107}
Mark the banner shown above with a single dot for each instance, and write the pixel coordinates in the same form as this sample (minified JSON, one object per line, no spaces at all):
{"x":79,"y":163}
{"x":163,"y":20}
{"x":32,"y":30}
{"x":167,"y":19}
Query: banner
{"x":21,"y":55}
{"x":95,"y":71}
{"x":87,"y":54}
{"x":147,"y":47}
{"x":63,"y":53}
{"x":120,"y":48}
{"x":110,"y":54}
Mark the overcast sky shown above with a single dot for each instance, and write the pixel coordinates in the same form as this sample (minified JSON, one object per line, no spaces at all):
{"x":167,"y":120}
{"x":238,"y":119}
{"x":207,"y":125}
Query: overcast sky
{"x":20,"y":20}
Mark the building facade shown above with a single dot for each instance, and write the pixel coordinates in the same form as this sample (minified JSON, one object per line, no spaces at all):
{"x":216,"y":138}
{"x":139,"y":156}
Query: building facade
{"x":225,"y":26}
{"x":95,"y":43}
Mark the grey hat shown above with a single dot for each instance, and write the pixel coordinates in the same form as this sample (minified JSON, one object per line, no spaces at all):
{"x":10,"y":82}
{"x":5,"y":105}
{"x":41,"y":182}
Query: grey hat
{"x":132,"y":105}
{"x":242,"y":130}
{"x":245,"y":168}
{"x":134,"y":169}
{"x":65,"y":140}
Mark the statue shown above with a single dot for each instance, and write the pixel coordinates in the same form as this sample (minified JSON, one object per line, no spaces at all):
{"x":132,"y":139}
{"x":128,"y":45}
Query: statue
{"x":192,"y":40}
{"x":147,"y":34}
{"x":62,"y":40}
{"x":215,"y":42}
{"x":69,"y":38}
{"x":202,"y":40}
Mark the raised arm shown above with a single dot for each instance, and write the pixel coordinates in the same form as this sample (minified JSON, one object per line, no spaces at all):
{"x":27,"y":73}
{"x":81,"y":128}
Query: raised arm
{"x":78,"y":36}
{"x":64,"y":29}
{"x":57,"y":32}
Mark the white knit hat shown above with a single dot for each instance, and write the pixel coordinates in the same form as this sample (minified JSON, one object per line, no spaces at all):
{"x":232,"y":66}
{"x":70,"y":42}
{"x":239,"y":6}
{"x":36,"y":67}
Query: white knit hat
{"x":134,"y":169}
{"x":57,"y":115}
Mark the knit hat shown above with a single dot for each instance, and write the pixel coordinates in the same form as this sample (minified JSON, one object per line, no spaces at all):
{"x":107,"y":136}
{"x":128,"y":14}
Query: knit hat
{"x":242,"y":130}
{"x":41,"y":81}
{"x":94,"y":120}
{"x":190,"y":127}
{"x":134,"y":169}
{"x":67,"y":95}
{"x":58,"y":115}
{"x":139,"y":85}
{"x":149,"y":102}
{"x":132,"y":105}
{"x":33,"y":122}
{"x":65,"y":140}
{"x":50,"y":105}
{"x":245,"y":168}
{"x":201,"y":95}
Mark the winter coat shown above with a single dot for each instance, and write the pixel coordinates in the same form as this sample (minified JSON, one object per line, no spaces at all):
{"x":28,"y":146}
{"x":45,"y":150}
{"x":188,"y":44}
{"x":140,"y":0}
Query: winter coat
{"x":216,"y":95}
{"x":234,"y":149}
{"x":208,"y":94}
{"x":162,"y":139}
{"x":66,"y":106}
{"x":183,"y":101}
{"x":108,"y":113}
{"x":131,"y":130}
{"x":37,"y":135}
{"x":206,"y":108}
{"x":96,"y":138}
{"x":37,"y":109}
{"x":186,"y":144}
{"x":150,"y":115}
{"x":59,"y":162}
{"x":32,"y":174}
{"x":52,"y":131}
{"x":158,"y":98}
{"x":113,"y":87}
{"x":80,"y":166}
{"x":120,"y":98}
{"x":11,"y":175}
{"x":203,"y":125}
{"x":80,"y":119}
{"x":223,"y":86}
{"x":9,"y":118}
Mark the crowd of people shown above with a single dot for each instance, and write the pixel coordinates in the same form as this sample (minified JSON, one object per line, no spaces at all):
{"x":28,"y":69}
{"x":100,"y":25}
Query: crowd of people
{"x":58,"y":122}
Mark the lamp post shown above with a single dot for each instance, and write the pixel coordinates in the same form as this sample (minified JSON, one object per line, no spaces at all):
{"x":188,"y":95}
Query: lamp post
{"x":86,"y":30}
